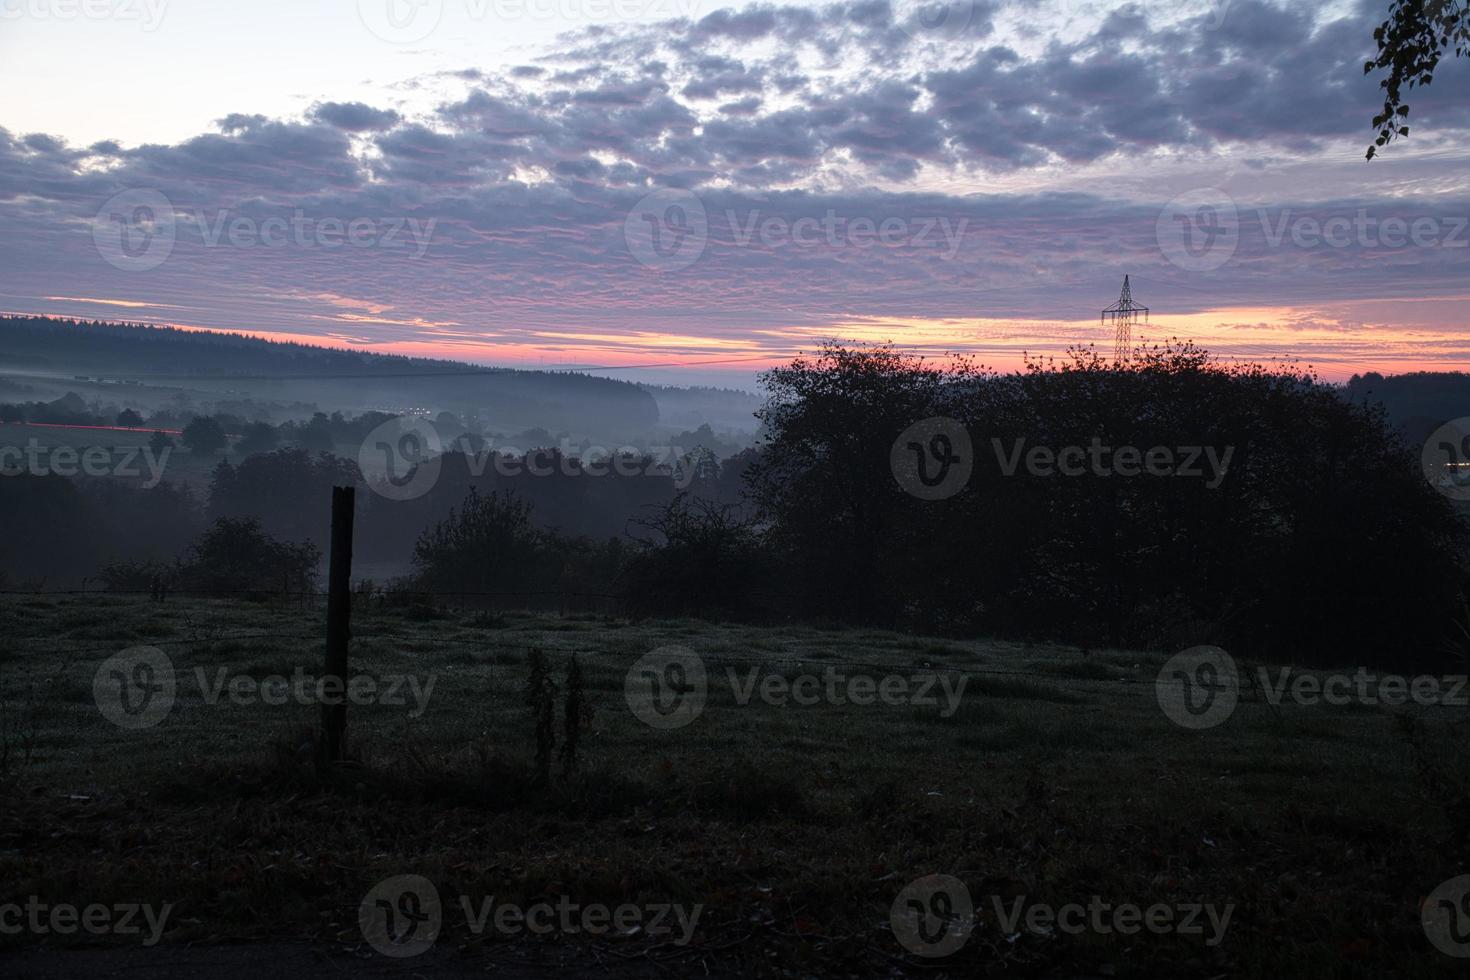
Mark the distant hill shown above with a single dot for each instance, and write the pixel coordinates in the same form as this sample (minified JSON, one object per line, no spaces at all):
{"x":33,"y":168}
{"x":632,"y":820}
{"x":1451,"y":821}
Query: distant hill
{"x":726,"y":409}
{"x":1418,"y":402}
{"x":163,"y":357}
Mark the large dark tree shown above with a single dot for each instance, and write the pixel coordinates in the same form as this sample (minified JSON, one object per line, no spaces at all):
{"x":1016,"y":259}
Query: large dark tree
{"x":1321,"y":541}
{"x":822,"y":481}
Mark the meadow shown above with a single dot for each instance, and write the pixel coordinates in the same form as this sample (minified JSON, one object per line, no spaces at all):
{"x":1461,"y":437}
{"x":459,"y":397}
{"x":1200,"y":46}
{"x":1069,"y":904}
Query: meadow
{"x":1055,"y":778}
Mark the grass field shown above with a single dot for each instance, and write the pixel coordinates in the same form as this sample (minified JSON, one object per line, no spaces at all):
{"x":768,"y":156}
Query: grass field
{"x":1057,"y":778}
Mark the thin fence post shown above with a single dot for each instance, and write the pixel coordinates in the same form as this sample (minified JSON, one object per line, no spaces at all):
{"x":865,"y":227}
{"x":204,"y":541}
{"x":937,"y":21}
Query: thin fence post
{"x":339,"y":625}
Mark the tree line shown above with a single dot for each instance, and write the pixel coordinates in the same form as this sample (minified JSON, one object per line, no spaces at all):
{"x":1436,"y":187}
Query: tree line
{"x":1317,"y":540}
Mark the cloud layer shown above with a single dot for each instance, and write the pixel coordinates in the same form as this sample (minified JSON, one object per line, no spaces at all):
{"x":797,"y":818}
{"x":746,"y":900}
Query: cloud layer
{"x":810,"y":169}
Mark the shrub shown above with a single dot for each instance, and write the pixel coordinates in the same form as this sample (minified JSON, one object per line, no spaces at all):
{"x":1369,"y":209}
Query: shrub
{"x":237,"y":556}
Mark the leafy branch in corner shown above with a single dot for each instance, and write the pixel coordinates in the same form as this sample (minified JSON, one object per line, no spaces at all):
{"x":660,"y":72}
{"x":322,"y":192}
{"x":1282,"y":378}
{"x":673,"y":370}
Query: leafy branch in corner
{"x":1410,"y":44}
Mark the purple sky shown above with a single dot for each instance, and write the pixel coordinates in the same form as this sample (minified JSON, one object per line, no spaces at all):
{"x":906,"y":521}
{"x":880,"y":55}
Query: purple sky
{"x":742,"y":182}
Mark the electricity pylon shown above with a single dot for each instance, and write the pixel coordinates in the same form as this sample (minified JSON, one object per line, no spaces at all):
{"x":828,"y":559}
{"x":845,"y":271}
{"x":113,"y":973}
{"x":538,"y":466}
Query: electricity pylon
{"x":1124,"y":314}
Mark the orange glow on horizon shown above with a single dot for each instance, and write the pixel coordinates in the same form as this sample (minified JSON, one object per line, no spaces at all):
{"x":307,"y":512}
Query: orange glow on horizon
{"x":1337,"y":341}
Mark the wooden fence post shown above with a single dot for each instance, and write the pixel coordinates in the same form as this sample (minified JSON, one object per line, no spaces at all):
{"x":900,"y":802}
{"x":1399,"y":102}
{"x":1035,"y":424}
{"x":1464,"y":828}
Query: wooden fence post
{"x":339,"y":625}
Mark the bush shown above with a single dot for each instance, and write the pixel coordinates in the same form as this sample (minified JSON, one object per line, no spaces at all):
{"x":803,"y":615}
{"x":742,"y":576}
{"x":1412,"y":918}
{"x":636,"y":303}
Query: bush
{"x":488,"y":545}
{"x":237,"y":556}
{"x":701,"y":559}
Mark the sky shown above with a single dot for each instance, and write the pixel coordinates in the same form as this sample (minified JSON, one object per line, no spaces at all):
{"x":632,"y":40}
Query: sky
{"x":688,"y":191}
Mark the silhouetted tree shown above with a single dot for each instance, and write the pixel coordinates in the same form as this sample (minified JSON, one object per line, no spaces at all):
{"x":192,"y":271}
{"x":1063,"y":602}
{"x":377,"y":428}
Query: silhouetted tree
{"x":236,"y":555}
{"x":204,"y":436}
{"x":1320,"y":539}
{"x":698,"y":558}
{"x":258,"y":437}
{"x":823,"y":483}
{"x":315,"y":435}
{"x":487,"y":544}
{"x":289,"y":491}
